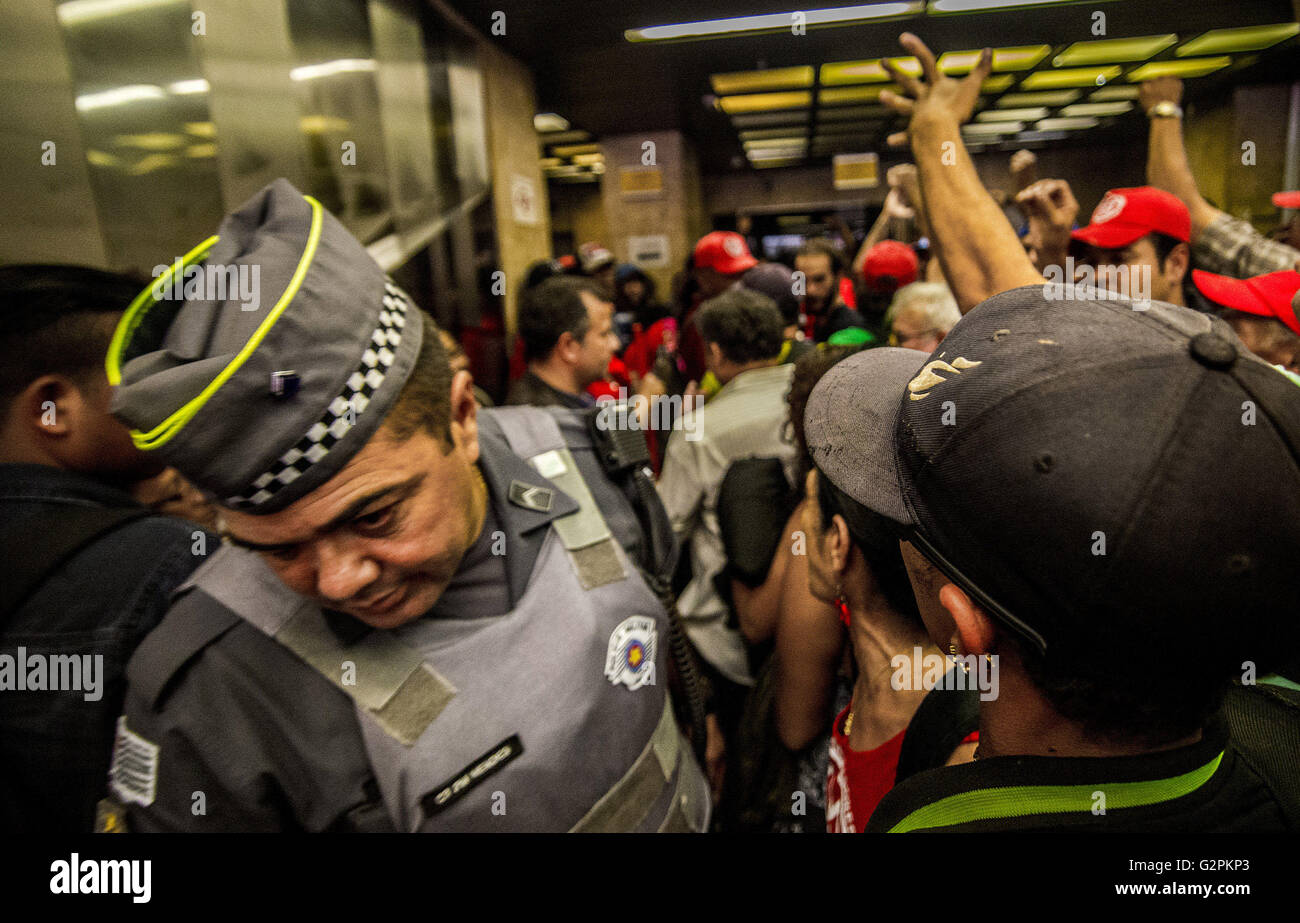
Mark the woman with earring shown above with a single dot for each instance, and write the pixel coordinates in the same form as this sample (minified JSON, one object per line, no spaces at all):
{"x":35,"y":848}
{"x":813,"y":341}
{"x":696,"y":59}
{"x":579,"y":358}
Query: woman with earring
{"x":854,"y":563}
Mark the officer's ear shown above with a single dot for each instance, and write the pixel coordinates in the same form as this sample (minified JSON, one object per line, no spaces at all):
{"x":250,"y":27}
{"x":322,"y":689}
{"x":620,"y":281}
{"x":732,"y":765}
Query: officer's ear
{"x":464,"y":415}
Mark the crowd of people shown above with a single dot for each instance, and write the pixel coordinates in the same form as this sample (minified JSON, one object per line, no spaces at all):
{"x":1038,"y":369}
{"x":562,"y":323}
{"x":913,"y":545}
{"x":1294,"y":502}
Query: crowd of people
{"x":985,"y":522}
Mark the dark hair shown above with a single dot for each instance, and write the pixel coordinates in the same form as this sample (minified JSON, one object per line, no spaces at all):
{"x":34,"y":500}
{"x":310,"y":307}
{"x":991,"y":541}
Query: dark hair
{"x":1164,"y":245}
{"x":808,"y":370}
{"x":822,"y":246}
{"x":877,"y":539}
{"x":57,"y":320}
{"x":424,"y":403}
{"x":552,"y":308}
{"x":746,"y":325}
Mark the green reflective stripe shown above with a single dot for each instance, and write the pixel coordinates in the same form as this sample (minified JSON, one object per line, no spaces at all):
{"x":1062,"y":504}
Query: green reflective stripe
{"x":140,"y":306}
{"x":174,"y":423}
{"x":1020,"y":801}
{"x":1275,"y":679}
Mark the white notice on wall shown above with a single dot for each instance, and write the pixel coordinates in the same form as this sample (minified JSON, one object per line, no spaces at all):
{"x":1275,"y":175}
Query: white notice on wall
{"x":523,"y":199}
{"x":650,"y":252}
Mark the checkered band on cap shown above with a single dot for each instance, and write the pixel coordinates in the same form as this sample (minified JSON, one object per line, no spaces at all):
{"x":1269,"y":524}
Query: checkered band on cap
{"x":342,"y":413}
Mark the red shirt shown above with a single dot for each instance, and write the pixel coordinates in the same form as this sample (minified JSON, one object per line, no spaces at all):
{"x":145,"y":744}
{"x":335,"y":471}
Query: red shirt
{"x":856,"y":780}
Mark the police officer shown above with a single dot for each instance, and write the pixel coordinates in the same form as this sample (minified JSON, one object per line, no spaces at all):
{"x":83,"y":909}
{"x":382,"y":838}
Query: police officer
{"x":424,"y":616}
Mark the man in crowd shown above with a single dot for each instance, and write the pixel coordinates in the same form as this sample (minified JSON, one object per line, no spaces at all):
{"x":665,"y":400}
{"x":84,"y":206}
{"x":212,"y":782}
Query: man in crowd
{"x":568,"y":333}
{"x":823,"y":308}
{"x":1261,"y":310}
{"x":1220,"y":243}
{"x":718,"y":261}
{"x":88,"y":571}
{"x":1118,"y":577}
{"x":741,"y":330}
{"x":416,"y":598}
{"x":1137,"y":240}
{"x":921,"y":315}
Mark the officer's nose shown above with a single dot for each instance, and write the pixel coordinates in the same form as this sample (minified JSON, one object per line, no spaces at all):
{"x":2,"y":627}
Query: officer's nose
{"x":342,"y":572}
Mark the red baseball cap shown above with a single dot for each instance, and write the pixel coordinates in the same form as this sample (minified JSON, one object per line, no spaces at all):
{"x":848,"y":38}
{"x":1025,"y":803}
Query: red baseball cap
{"x":890,"y":265}
{"x":1287,"y":199}
{"x":1124,"y":215}
{"x":725,"y":251}
{"x":1269,"y":295}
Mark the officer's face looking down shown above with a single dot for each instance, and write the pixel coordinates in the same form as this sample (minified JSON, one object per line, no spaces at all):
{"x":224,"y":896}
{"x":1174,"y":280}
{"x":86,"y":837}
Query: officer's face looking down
{"x":381,"y":540}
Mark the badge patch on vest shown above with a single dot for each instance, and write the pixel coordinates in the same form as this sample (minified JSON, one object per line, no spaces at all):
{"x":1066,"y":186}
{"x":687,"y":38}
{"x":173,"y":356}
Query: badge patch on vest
{"x":630,"y":659}
{"x":451,"y":790}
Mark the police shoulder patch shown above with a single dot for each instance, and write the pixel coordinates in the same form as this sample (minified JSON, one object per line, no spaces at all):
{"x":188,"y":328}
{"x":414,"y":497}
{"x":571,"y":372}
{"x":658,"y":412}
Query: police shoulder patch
{"x":630,"y":657}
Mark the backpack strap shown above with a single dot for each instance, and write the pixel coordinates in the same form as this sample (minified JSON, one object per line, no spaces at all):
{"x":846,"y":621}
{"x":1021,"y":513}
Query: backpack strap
{"x":33,"y":556}
{"x":946,"y":717}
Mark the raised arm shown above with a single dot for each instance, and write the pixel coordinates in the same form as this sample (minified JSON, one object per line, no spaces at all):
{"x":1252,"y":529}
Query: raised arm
{"x":977,"y":248}
{"x":1167,"y":166}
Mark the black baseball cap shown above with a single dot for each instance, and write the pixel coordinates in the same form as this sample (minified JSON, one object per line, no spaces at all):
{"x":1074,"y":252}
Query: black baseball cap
{"x":1099,"y":475}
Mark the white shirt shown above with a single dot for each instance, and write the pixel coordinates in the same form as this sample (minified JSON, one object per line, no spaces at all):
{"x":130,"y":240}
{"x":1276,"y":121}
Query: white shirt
{"x":745,"y":419}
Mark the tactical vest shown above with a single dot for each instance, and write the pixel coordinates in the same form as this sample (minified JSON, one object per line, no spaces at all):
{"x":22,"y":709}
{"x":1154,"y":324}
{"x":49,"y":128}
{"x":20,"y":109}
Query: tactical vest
{"x":555,"y":716}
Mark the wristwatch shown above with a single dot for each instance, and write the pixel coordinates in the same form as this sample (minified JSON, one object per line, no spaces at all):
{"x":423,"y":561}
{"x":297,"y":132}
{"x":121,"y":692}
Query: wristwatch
{"x":1165,"y":110}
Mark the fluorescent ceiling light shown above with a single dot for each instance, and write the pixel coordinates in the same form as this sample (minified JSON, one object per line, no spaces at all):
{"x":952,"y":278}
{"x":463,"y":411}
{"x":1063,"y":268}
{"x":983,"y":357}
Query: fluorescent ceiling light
{"x":565,"y":137}
{"x":1065,"y":124}
{"x":712,"y":28}
{"x":974,"y":6}
{"x":1071,"y":77}
{"x":549,"y":121}
{"x":185,"y":87}
{"x":1041,"y":136}
{"x":786,"y":143}
{"x":1190,"y":67}
{"x":1057,"y":98}
{"x":834,"y":96}
{"x":550,"y":162}
{"x":761,"y":133}
{"x":1111,"y":50}
{"x":839,"y":73}
{"x":1099,"y":109}
{"x":992,"y":128}
{"x":588,"y":160}
{"x":1019,"y":58}
{"x":202,"y":129}
{"x":765,"y":102}
{"x":997,"y":84}
{"x":849,"y":113}
{"x":79,"y":11}
{"x":778,"y":78}
{"x":118,"y":96}
{"x":1018,"y":115}
{"x":201,"y":151}
{"x":152,"y":141}
{"x":1248,"y":38}
{"x":330,"y":68}
{"x":572,"y":150}
{"x":1118,"y":91}
{"x":760,"y":119}
{"x":784,"y":162}
{"x":775,"y":153}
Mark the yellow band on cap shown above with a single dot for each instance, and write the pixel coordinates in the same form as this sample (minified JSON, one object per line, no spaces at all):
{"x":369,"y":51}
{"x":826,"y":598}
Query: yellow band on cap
{"x":169,"y":427}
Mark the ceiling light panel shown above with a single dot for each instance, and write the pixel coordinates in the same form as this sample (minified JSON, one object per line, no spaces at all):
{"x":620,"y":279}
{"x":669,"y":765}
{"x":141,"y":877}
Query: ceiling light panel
{"x":1075,"y":124}
{"x":1248,"y":38}
{"x":1071,"y":77}
{"x":1103,"y":110}
{"x":718,"y":28}
{"x":765,"y":102}
{"x":1019,"y":58}
{"x":1113,"y":50}
{"x":762,"y":119}
{"x":1031,"y":114}
{"x":1058,"y":98}
{"x":1112,"y":93}
{"x":780,"y":78}
{"x":835,"y":96}
{"x":1188,"y":67}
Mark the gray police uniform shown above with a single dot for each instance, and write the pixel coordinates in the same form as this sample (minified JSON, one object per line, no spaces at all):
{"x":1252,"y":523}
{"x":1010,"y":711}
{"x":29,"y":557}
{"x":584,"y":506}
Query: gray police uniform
{"x":533,"y":697}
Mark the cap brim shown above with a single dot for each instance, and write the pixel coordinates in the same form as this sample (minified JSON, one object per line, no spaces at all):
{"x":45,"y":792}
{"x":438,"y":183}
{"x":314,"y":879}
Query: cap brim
{"x":1109,"y":236}
{"x":1287,"y":199}
{"x":738,"y":264}
{"x":849,"y":425}
{"x":1229,"y":293}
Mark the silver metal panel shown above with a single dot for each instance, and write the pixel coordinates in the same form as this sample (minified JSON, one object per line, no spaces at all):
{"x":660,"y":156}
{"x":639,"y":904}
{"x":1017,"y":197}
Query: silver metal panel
{"x":247,"y":58}
{"x":142,"y":103}
{"x":48,"y":209}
